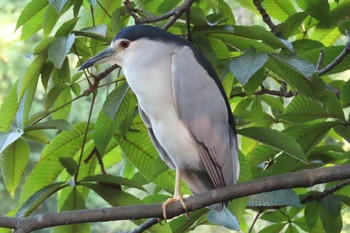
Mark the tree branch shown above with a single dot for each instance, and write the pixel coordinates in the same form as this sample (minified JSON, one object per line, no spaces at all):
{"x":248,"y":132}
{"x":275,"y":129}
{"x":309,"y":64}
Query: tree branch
{"x":266,"y":18}
{"x":305,"y":178}
{"x":174,"y":14}
{"x":336,"y":61}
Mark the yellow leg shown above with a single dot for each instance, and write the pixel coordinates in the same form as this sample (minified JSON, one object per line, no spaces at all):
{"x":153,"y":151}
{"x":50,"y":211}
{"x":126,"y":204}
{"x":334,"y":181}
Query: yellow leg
{"x":177,"y":194}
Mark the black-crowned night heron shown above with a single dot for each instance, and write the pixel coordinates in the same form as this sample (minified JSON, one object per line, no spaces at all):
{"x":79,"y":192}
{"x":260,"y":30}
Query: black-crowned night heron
{"x":182,"y":102}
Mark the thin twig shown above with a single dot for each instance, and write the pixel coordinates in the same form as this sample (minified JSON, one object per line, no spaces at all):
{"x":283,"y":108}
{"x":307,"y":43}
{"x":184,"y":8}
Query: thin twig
{"x":326,"y":192}
{"x":104,"y":9}
{"x":188,"y":24}
{"x":178,"y":11}
{"x":129,"y":8}
{"x":337,"y":60}
{"x":144,"y":226}
{"x":254,"y":221}
{"x":267,"y":18}
{"x":319,"y":61}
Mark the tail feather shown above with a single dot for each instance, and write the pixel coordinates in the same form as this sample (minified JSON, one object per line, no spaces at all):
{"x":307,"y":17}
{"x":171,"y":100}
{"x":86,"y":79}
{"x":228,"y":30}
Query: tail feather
{"x":223,"y":218}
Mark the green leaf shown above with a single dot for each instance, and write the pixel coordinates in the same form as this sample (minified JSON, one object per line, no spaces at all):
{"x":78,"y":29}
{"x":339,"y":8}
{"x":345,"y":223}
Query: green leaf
{"x":51,"y":124}
{"x":140,"y":152}
{"x":182,"y":224}
{"x":319,"y":9}
{"x":279,"y":9}
{"x":13,"y":161}
{"x":277,"y":198}
{"x":9,"y":108}
{"x":344,"y":27}
{"x":309,"y":135}
{"x":112,"y":180}
{"x":70,"y":164}
{"x":274,"y":216}
{"x":345,"y":94}
{"x":273,"y":228}
{"x":74,"y":201}
{"x":43,"y":45}
{"x":66,"y":28}
{"x":32,"y":9}
{"x":275,"y":139}
{"x":312,"y":213}
{"x":303,"y":109}
{"x":97,"y":32}
{"x":114,"y":113}
{"x":59,"y":49}
{"x":36,"y":136}
{"x":58,"y":4}
{"x":113,"y":196}
{"x":330,"y":214}
{"x":31,"y":74}
{"x":39,"y":197}
{"x":292,"y":23}
{"x":245,"y":66}
{"x":50,"y":20}
{"x":61,"y":105}
{"x":34,"y":24}
{"x":67,"y":143}
{"x":7,"y":138}
{"x":344,"y":131}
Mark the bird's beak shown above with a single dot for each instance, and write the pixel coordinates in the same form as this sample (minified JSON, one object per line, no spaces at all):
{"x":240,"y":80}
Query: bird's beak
{"x":102,"y":57}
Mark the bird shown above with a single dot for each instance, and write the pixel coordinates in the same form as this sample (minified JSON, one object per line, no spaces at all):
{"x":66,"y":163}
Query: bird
{"x":182,"y":102}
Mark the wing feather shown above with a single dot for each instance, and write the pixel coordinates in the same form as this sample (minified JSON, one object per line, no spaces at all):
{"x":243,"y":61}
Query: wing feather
{"x":205,"y":112}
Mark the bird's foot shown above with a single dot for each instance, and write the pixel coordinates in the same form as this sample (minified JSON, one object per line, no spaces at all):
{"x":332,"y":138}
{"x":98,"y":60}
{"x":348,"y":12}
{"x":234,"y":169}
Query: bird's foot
{"x":175,"y":199}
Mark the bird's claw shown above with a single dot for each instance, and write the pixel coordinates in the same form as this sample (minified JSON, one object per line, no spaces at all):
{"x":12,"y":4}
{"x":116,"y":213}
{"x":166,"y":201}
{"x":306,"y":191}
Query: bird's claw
{"x":175,"y":199}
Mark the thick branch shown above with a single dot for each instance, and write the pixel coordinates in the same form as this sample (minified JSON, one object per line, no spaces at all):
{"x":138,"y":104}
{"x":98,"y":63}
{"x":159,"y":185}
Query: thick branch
{"x":304,"y":178}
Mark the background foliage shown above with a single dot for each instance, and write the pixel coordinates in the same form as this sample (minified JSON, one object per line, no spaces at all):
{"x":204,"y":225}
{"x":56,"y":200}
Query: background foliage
{"x":291,"y":108}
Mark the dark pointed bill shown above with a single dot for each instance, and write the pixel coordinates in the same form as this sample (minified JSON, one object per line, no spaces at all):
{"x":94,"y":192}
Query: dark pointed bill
{"x":102,"y":57}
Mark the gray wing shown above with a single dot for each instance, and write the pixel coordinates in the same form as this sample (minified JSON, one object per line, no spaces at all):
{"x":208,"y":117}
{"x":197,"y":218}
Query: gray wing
{"x":202,"y":108}
{"x":163,"y":154}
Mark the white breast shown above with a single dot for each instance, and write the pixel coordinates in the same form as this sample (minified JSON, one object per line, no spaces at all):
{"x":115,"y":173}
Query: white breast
{"x":149,"y":75}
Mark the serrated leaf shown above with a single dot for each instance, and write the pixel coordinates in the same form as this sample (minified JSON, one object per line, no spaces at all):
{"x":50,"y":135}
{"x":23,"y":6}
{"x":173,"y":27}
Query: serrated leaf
{"x":276,"y":198}
{"x":33,"y":8}
{"x":62,"y":106}
{"x":140,"y":152}
{"x":114,"y":197}
{"x":113,"y":180}
{"x":67,"y":143}
{"x":33,"y":24}
{"x":245,"y":66}
{"x":302,"y":109}
{"x":106,"y":122}
{"x":67,"y":27}
{"x":279,"y":9}
{"x":50,"y":19}
{"x":274,"y":216}
{"x":292,"y":23}
{"x":275,"y":139}
{"x":309,"y":135}
{"x":59,"y":49}
{"x":31,"y":74}
{"x":51,"y":124}
{"x":13,"y":161}
{"x":74,"y":201}
{"x":9,"y":108}
{"x":58,"y":4}
{"x":7,"y":138}
{"x":39,"y":197}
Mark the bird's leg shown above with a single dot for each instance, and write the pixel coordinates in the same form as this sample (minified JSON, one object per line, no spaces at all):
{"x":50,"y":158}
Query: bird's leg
{"x":177,"y":195}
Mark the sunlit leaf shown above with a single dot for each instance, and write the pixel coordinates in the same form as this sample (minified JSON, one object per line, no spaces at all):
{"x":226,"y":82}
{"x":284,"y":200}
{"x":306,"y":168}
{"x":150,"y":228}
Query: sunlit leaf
{"x":13,"y":161}
{"x":59,"y":49}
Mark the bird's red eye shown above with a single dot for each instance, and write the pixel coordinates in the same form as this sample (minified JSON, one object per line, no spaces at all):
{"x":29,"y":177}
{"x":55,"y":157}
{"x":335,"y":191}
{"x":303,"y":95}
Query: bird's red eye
{"x":124,"y":44}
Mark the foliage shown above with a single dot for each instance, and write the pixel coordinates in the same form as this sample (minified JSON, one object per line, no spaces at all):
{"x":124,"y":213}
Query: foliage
{"x":291,"y":113}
